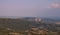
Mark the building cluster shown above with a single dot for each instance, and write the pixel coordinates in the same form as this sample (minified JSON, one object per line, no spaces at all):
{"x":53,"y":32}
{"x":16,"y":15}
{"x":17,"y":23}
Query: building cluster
{"x":36,"y":31}
{"x":34,"y":19}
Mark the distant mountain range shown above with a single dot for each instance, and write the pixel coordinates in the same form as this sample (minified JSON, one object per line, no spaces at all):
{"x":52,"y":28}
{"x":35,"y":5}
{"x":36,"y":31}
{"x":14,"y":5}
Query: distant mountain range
{"x":44,"y":18}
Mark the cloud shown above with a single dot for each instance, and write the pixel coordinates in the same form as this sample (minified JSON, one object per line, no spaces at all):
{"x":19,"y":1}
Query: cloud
{"x":54,"y":5}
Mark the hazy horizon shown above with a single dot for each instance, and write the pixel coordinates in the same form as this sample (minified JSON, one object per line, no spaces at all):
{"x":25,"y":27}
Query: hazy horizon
{"x":30,"y":8}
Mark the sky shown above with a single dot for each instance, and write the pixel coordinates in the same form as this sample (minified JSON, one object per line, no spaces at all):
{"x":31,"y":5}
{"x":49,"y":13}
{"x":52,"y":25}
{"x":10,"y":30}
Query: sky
{"x":30,"y":8}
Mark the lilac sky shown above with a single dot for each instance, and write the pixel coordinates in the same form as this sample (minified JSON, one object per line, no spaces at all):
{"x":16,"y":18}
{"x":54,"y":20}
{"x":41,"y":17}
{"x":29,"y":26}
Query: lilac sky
{"x":30,"y":8}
